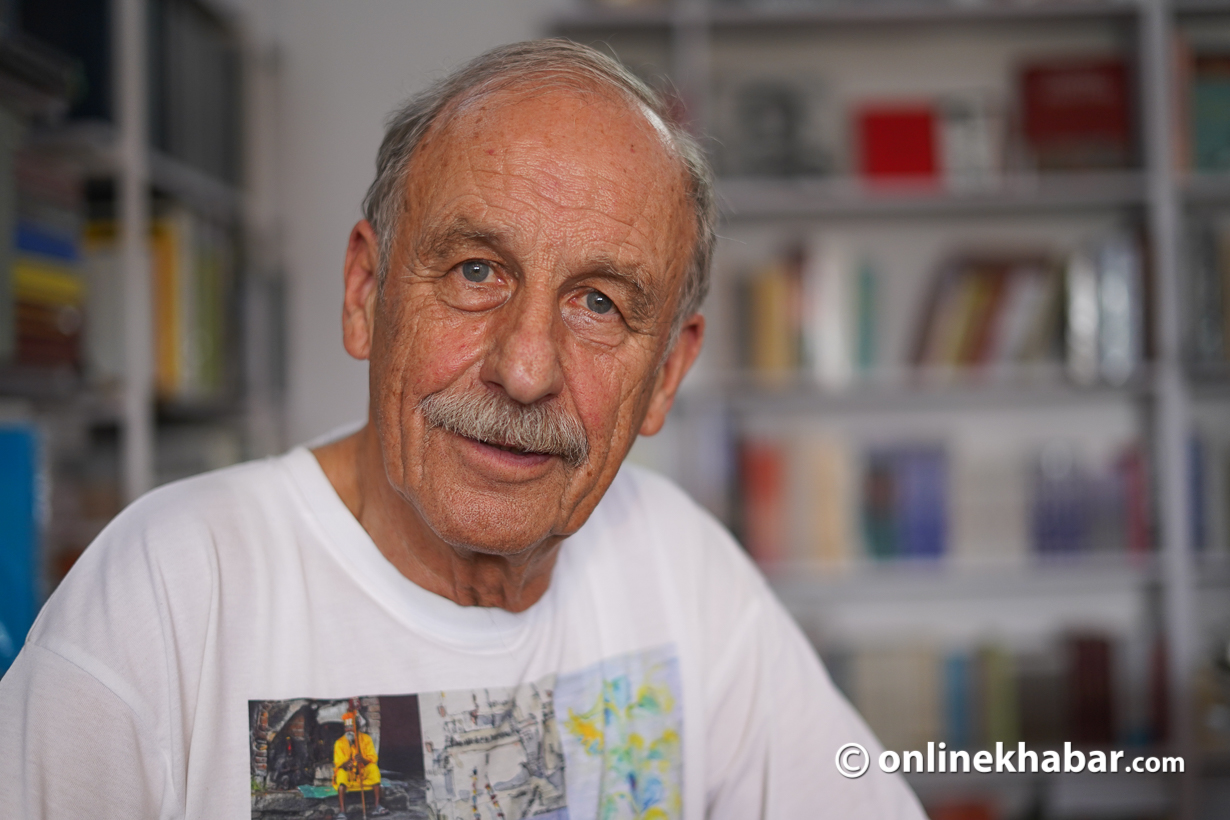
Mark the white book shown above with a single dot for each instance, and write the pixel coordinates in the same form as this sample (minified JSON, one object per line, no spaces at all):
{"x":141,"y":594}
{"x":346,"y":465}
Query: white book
{"x":1119,"y":308}
{"x":829,"y":314}
{"x":1083,"y":315}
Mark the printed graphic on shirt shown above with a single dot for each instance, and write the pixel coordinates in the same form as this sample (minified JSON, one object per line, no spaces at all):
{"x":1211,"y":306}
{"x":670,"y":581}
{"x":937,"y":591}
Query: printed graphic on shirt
{"x":493,"y":753}
{"x":621,"y":728}
{"x":601,"y":743}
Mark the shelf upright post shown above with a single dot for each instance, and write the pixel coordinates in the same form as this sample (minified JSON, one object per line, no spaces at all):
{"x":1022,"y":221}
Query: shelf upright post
{"x":1170,"y":433}
{"x":132,"y":177}
{"x":261,"y":235}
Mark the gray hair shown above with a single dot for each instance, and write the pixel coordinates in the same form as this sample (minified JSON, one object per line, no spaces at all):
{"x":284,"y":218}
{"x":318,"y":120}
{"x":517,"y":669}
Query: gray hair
{"x":565,"y":63}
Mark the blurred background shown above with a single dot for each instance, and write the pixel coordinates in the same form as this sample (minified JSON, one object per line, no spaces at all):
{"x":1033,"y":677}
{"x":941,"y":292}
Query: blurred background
{"x":966,"y":389}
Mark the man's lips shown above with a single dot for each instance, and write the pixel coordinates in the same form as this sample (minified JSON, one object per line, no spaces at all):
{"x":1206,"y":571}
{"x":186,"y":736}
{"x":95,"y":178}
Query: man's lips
{"x":515,"y":452}
{"x":508,"y":448}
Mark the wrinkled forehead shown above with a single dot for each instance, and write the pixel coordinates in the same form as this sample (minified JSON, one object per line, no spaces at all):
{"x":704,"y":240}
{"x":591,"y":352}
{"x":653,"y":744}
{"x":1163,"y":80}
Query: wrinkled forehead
{"x":579,"y":146}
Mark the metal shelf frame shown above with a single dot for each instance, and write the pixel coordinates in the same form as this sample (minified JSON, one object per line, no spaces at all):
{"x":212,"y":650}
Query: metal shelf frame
{"x":1156,"y":189}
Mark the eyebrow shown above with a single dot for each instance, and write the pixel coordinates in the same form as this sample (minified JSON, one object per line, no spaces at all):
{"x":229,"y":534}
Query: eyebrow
{"x":442,"y":239}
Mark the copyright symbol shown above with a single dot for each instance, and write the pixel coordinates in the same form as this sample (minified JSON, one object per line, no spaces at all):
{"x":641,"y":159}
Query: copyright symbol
{"x":848,"y":768}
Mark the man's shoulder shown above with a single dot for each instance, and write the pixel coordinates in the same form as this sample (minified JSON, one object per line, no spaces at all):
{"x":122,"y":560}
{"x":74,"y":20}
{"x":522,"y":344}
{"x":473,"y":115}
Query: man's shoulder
{"x":187,"y":523}
{"x":644,"y":497}
{"x":223,"y":496}
{"x":652,"y":511}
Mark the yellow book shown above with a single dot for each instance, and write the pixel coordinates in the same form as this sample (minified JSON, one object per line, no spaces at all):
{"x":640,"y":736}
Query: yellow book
{"x":39,"y":282}
{"x":830,"y":502}
{"x":164,"y":260}
{"x":773,"y":350}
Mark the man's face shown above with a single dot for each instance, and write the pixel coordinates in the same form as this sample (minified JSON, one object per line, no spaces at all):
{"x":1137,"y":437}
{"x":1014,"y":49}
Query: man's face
{"x":539,"y":265}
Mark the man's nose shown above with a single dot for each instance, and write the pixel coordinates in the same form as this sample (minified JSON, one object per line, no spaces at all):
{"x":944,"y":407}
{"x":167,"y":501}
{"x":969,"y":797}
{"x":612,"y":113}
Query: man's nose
{"x":524,"y":358}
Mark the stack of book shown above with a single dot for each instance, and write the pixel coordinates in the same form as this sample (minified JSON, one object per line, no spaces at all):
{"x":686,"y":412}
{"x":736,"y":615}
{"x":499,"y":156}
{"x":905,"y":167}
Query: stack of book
{"x":991,"y":311}
{"x":813,"y":312}
{"x":1076,"y":113}
{"x":821,"y":501}
{"x":194,"y":96}
{"x":47,"y":287}
{"x":1085,"y":688}
{"x":193,"y":263}
{"x":1209,"y":293}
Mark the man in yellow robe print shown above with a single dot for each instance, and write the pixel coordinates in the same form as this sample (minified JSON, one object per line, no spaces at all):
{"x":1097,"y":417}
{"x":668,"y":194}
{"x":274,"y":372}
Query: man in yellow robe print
{"x":355,"y":769}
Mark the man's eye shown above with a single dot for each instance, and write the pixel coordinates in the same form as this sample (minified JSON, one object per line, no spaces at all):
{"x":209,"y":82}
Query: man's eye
{"x":475,"y":271}
{"x":599,"y":302}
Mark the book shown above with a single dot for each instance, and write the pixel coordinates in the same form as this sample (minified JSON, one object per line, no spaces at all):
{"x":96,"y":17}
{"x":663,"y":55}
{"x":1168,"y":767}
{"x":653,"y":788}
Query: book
{"x":45,"y":286}
{"x":104,"y":337}
{"x":988,"y":312}
{"x":762,"y":474}
{"x":769,"y":126}
{"x":1209,"y":111}
{"x":19,"y":537}
{"x":1076,"y":112}
{"x":774,"y":298}
{"x":80,"y":29}
{"x":1090,"y":691}
{"x":1206,"y":327}
{"x":1059,"y":511}
{"x":905,"y":502}
{"x":1105,"y":310}
{"x":1120,"y":308}
{"x":11,"y":129}
{"x":195,"y":96}
{"x":990,"y":504}
{"x":827,"y":501}
{"x":998,"y":708}
{"x":958,"y":695}
{"x":1040,"y":695}
{"x":971,"y":137}
{"x":832,"y":313}
{"x":897,"y":143}
{"x":897,"y":690}
{"x":193,"y":278}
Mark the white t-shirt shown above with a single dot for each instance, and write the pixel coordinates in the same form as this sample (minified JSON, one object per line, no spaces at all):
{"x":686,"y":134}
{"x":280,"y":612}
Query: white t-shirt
{"x":201,"y":658}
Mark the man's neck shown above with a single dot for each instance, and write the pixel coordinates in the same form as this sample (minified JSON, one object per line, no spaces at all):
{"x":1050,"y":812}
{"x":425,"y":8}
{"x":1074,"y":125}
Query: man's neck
{"x":355,"y":468}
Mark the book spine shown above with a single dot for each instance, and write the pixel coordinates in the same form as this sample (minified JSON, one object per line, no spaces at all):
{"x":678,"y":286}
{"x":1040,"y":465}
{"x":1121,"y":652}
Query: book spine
{"x":1120,"y":313}
{"x":19,"y":565}
{"x":763,"y":472}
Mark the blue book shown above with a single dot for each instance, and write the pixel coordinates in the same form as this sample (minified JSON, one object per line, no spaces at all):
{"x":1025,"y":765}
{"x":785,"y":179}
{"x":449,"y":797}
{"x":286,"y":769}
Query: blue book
{"x":41,"y":240}
{"x":922,"y":501}
{"x":879,"y":505}
{"x":1060,"y":515}
{"x":18,"y":538}
{"x":958,"y":705}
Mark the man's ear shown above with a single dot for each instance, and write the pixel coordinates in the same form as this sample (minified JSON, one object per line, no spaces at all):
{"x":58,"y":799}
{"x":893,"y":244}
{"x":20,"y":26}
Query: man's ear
{"x":362,"y":286}
{"x":678,"y":363}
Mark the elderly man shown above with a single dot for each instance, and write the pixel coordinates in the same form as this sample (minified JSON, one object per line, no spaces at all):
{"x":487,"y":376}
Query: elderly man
{"x":544,"y":633}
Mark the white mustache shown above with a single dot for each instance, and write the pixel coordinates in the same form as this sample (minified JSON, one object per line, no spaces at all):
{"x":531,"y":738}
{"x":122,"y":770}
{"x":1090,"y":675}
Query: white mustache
{"x":492,"y":418}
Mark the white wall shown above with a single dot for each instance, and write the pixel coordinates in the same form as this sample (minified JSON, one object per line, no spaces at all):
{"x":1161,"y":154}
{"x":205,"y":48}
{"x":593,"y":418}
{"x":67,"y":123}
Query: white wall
{"x":343,"y":67}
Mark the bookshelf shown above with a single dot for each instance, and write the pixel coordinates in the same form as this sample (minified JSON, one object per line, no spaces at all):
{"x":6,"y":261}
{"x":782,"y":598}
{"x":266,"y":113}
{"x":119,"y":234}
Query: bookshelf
{"x":179,"y":367}
{"x":1165,"y":594}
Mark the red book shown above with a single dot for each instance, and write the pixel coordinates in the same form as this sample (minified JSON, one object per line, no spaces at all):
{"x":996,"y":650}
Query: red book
{"x":1076,"y":113}
{"x":1133,"y":472}
{"x":970,"y":809}
{"x":897,"y":143}
{"x":763,"y":474}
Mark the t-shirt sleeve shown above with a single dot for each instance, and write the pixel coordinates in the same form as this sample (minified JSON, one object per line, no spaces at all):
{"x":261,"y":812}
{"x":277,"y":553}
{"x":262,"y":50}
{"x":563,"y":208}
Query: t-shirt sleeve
{"x":71,"y":747}
{"x":776,"y":723}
